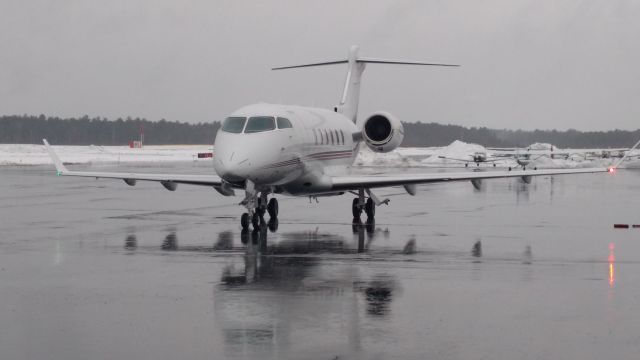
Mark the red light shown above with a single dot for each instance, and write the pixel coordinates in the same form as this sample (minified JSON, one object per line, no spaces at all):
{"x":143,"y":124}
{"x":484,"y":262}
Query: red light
{"x":612,"y":170}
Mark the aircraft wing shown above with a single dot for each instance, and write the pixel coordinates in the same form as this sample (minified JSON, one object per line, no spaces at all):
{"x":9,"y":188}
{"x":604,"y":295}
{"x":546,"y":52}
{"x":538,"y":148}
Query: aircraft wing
{"x":354,"y":182}
{"x":448,"y":158}
{"x":168,"y":180}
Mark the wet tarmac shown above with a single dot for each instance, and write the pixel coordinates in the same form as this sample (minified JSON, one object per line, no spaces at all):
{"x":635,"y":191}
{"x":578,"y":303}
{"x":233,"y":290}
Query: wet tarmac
{"x":100,"y":270}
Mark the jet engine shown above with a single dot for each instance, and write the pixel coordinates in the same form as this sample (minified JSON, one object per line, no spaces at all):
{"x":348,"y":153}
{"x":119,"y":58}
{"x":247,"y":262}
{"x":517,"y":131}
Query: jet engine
{"x":382,"y":132}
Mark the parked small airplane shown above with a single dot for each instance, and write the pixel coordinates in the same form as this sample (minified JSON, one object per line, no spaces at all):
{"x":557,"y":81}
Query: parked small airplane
{"x":266,"y":149}
{"x":477,"y":157}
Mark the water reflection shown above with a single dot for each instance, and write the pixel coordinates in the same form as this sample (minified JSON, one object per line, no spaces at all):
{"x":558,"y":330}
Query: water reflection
{"x":170,"y":242}
{"x":612,"y":265}
{"x":225,"y":241}
{"x":476,"y":250}
{"x":131,"y":242}
{"x":410,"y":247}
{"x":286,"y":284}
{"x":379,"y":293}
{"x":527,"y":255}
{"x":523,"y":191}
{"x":274,"y":285}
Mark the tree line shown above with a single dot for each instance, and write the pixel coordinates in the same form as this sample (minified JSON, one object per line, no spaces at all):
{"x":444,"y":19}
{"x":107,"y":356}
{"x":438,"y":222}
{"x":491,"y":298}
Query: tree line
{"x":28,"y":129}
{"x":434,"y":134}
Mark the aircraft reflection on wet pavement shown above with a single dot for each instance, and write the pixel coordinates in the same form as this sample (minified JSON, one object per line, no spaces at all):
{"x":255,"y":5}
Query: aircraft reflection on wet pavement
{"x":264,"y":295}
{"x":290,"y":291}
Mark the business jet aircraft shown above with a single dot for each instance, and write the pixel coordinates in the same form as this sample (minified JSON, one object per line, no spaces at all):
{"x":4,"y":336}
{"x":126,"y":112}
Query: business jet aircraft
{"x":268,"y":149}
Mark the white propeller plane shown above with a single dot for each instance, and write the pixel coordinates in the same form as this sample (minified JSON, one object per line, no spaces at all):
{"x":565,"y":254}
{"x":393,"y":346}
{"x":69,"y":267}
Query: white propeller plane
{"x":268,"y":149}
{"x":477,"y":157}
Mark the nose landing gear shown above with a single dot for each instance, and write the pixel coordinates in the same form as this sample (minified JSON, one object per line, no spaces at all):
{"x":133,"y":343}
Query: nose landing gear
{"x":257,"y":205}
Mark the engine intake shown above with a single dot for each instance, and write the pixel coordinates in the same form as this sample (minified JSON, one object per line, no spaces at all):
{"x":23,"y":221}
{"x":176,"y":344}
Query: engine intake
{"x":382,"y":132}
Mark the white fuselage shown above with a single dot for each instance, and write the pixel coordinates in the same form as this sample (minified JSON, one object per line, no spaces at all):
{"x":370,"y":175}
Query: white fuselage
{"x":293,"y":160}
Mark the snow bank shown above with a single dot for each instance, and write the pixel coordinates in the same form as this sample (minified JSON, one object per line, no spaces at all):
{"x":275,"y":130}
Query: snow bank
{"x":541,"y":146}
{"x":456,"y":150}
{"x":367,"y":157}
{"x":28,"y":154}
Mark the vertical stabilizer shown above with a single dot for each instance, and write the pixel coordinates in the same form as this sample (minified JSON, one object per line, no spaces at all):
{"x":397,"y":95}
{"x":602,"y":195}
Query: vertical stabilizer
{"x":351,"y":93}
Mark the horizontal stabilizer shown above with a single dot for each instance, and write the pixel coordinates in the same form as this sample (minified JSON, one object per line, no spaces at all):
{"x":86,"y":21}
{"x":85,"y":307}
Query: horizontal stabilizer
{"x":356,"y":64}
{"x":366,"y":61}
{"x":310,"y":65}
{"x":399,"y":62}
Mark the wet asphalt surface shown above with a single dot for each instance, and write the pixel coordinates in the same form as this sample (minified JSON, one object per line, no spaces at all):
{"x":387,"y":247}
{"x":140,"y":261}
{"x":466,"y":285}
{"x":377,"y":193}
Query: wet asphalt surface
{"x":100,"y":270}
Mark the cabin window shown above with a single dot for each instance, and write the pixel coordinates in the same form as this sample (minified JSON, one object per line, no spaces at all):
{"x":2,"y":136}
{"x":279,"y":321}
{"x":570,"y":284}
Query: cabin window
{"x":342,"y":136}
{"x":331,"y":133}
{"x":337,"y":137}
{"x":260,"y":123}
{"x":284,"y":123}
{"x":234,"y":124}
{"x":315,"y":136}
{"x":326,"y":137}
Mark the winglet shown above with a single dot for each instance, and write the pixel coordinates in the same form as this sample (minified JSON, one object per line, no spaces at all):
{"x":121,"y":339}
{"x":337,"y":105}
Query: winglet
{"x":60,"y":168}
{"x":615,"y":166}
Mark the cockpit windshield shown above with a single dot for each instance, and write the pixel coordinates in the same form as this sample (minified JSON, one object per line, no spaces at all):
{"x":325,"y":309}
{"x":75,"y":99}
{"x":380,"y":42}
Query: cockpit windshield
{"x":260,"y":123}
{"x":234,"y":124}
{"x":284,"y":123}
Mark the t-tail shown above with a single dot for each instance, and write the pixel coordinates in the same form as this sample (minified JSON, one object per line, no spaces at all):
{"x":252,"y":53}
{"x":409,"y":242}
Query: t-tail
{"x":348,"y":105}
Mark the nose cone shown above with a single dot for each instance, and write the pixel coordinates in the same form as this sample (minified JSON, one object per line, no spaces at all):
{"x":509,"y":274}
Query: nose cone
{"x":232,"y":165}
{"x":241,"y":157}
{"x":231,"y":171}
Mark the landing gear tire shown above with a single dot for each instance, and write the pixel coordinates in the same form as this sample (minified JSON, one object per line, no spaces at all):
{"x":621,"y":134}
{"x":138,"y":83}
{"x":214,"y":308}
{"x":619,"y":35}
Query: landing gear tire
{"x":244,"y":221}
{"x":256,"y":220}
{"x":273,"y":224}
{"x":370,"y":208}
{"x":272,"y":208}
{"x":355,"y":208}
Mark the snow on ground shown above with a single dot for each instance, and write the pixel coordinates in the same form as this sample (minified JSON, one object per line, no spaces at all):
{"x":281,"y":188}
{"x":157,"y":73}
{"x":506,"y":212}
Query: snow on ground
{"x":367,"y":157}
{"x":456,"y":150}
{"x":28,"y":154}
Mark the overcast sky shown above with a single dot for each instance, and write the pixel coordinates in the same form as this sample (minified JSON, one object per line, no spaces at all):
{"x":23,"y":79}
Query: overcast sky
{"x":525,"y":64}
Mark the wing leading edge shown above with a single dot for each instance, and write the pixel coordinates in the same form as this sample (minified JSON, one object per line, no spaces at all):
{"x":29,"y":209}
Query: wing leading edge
{"x":354,"y":182}
{"x":131,"y":178}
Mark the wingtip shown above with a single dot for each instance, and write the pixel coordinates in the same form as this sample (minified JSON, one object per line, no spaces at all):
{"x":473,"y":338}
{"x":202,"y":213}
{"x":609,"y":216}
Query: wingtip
{"x":60,"y":168}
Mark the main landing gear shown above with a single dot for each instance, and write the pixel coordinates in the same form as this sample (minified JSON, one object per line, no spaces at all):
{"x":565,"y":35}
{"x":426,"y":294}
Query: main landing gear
{"x":359,"y":205}
{"x":369,"y":208}
{"x":257,"y":206}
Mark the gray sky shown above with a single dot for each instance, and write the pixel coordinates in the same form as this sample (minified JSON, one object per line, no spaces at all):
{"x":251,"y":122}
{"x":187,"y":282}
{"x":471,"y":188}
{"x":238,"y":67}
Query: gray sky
{"x":525,"y":64}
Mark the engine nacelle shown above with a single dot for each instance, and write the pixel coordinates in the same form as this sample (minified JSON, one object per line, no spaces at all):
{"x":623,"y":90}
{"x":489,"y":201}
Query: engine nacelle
{"x":382,"y":132}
